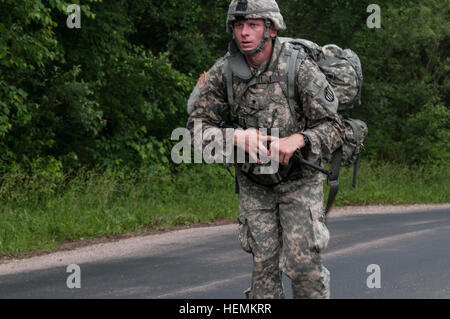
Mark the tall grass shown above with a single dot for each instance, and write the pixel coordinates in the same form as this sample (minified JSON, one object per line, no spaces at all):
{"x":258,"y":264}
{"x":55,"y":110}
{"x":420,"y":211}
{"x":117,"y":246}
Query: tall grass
{"x":40,"y":212}
{"x":387,"y":183}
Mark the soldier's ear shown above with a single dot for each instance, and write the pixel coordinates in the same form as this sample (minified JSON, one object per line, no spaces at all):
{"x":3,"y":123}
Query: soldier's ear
{"x":273,"y":32}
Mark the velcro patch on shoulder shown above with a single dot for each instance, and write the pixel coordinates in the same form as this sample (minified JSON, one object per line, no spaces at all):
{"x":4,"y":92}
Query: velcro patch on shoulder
{"x":317,"y":83}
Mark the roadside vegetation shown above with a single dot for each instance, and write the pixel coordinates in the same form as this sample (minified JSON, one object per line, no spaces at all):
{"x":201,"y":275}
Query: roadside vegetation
{"x":40,"y":213}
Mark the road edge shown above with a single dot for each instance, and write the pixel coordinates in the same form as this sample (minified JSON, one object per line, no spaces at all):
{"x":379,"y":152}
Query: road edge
{"x":99,"y":247}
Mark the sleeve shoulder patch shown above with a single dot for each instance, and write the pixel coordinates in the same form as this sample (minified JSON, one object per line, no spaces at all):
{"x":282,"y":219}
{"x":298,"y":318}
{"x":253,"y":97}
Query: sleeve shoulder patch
{"x":202,"y":81}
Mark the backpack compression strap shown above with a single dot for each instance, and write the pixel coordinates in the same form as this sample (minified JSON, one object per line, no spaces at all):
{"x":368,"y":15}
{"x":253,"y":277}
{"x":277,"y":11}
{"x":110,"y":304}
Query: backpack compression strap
{"x":333,"y":179}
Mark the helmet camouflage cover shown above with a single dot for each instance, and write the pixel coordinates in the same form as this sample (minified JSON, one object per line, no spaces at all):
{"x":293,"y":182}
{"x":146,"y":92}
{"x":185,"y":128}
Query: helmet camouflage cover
{"x":255,"y":9}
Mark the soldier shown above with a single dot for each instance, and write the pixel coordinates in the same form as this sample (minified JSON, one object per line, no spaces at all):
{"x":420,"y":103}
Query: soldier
{"x":282,"y":226}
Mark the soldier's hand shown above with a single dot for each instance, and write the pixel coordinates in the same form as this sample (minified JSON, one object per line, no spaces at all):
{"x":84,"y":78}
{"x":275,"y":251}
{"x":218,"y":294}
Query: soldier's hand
{"x":287,"y":146}
{"x":252,"y":141}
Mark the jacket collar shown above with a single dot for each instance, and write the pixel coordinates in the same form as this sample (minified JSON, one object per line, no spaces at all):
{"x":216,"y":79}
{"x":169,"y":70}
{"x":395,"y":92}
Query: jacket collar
{"x":241,"y":69}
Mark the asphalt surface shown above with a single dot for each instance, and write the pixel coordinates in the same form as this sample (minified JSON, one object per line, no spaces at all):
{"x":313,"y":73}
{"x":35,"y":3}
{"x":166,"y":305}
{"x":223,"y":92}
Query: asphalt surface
{"x":412,"y":251}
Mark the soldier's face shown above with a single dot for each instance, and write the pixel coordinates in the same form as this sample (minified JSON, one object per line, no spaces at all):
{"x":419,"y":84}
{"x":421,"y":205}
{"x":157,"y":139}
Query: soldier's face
{"x":249,"y":33}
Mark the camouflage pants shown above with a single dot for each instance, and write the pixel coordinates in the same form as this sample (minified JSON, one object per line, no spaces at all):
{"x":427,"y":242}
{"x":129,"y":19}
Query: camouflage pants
{"x":283,"y":229}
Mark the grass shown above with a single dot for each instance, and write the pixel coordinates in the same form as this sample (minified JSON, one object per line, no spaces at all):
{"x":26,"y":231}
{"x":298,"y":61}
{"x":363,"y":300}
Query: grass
{"x":38,"y":213}
{"x":389,"y":183}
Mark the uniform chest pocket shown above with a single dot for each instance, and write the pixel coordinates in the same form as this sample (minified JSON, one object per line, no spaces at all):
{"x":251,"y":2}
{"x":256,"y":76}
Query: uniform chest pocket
{"x":256,"y":101}
{"x":251,"y":105}
{"x":258,"y":112}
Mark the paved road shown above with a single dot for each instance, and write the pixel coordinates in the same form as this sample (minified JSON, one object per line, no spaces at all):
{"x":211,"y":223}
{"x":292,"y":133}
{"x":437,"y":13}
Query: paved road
{"x":412,"y":251}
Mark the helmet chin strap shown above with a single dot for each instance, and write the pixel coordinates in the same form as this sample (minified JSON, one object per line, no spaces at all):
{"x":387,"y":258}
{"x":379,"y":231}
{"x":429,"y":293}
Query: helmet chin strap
{"x":263,"y":42}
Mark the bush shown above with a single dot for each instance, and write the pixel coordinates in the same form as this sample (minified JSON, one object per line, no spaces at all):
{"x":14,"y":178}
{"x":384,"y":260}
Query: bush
{"x":428,"y":133}
{"x":85,"y":97}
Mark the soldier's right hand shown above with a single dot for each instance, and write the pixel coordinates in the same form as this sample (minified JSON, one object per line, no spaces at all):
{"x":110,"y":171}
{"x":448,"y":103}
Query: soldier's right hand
{"x":252,"y":141}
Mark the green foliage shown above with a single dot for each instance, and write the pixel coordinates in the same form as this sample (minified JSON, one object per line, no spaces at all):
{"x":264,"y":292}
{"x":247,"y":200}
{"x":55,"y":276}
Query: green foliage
{"x":85,"y":97}
{"x":98,"y":203}
{"x":428,"y":135}
{"x":192,"y":31}
{"x":406,"y":67}
{"x":109,"y":94}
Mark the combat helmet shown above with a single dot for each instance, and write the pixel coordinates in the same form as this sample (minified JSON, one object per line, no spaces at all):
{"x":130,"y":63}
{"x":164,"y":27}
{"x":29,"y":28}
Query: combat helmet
{"x":255,"y":9}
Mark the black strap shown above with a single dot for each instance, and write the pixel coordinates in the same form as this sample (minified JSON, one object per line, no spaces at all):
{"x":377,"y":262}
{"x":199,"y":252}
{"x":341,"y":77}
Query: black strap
{"x":355,"y":171}
{"x":333,"y":179}
{"x":251,"y":171}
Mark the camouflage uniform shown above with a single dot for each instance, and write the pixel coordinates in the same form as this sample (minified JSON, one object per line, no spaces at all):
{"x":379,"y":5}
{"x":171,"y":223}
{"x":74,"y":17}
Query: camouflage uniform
{"x":281,"y":226}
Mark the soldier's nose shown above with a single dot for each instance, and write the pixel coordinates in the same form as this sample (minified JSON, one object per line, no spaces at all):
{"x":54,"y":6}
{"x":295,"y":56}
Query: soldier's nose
{"x":244,"y":31}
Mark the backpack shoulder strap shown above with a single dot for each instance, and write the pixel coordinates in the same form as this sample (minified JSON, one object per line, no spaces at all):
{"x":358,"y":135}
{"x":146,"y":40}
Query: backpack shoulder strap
{"x":293,"y":64}
{"x":292,"y":70}
{"x":228,"y":74}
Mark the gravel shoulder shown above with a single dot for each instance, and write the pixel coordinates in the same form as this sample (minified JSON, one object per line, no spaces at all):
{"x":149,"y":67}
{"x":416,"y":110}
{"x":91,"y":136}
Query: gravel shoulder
{"x":132,"y":245}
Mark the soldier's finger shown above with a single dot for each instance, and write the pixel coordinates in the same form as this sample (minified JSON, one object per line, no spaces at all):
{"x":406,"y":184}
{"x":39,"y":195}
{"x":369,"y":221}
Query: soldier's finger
{"x":253,"y":157}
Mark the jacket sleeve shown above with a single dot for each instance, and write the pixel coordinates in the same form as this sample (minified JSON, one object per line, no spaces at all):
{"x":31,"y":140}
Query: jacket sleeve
{"x":207,"y":105}
{"x":322,"y":123}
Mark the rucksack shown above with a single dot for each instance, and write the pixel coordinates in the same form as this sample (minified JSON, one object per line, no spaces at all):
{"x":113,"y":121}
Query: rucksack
{"x":343,"y":71}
